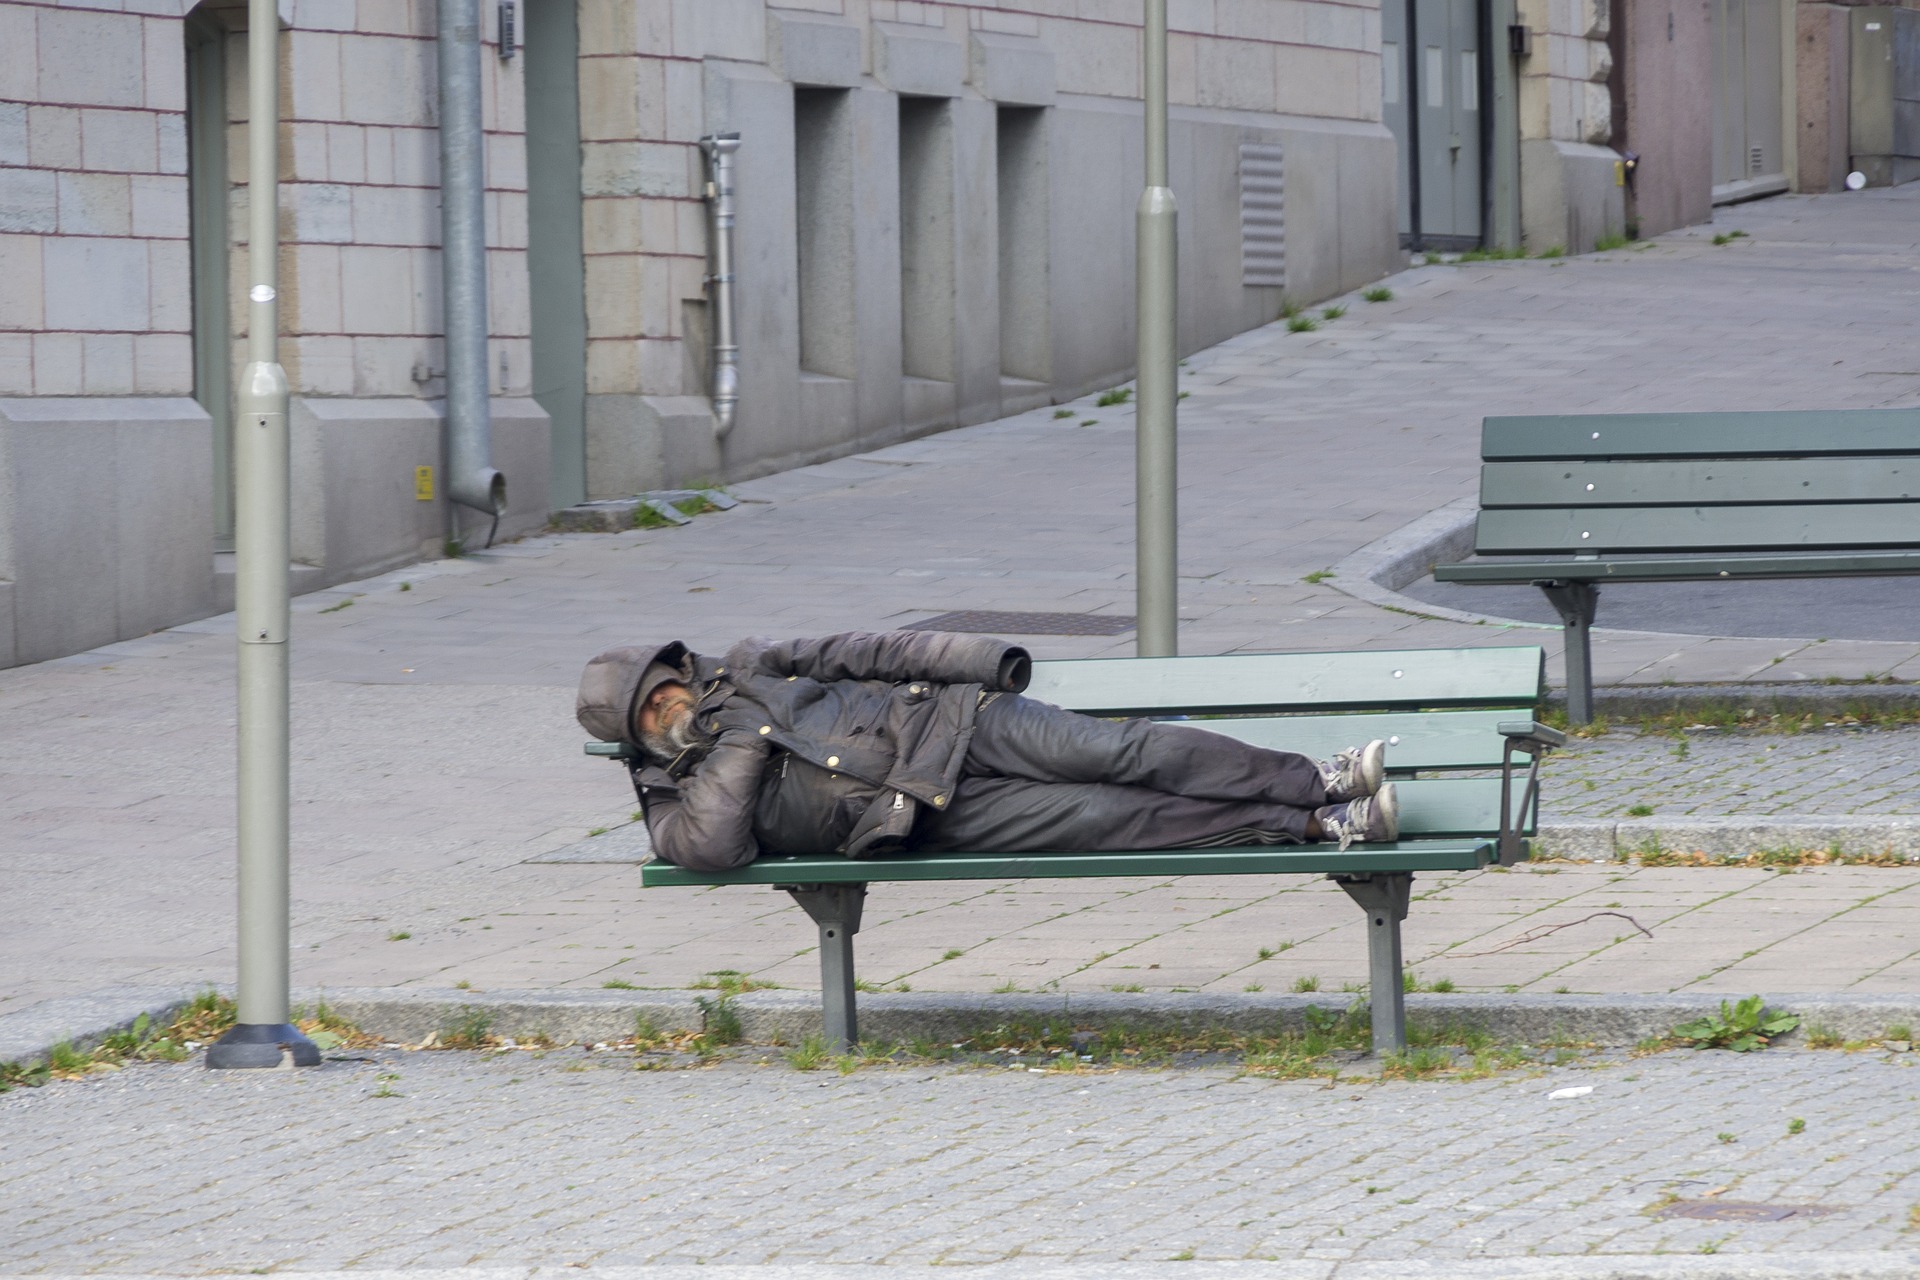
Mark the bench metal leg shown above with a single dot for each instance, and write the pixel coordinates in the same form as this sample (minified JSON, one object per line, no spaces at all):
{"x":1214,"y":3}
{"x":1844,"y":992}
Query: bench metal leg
{"x":1576,"y":603}
{"x":836,"y":909}
{"x":1384,"y":898}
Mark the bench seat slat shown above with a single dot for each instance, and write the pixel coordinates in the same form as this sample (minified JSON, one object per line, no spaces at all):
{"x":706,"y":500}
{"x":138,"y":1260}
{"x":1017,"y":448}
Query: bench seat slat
{"x":1699,"y":482}
{"x":1426,"y":739}
{"x":1490,"y":677}
{"x":1739,"y":529}
{"x":1781,"y":433}
{"x":1866,"y":564}
{"x":1405,"y":855}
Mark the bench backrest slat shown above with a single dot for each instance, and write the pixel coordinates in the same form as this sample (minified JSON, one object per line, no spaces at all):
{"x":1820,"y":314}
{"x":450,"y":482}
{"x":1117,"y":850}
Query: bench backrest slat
{"x":1267,"y":682}
{"x":1697,"y":482}
{"x":1415,"y":739}
{"x":1778,"y":434}
{"x":1518,"y":531}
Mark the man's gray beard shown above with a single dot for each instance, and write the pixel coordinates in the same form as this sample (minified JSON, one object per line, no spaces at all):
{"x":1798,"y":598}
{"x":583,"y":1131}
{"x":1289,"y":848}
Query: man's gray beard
{"x":665,"y":745}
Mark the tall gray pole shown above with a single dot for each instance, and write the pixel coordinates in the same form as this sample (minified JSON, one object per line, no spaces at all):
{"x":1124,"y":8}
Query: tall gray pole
{"x":263,"y":1035}
{"x":1155,"y":454}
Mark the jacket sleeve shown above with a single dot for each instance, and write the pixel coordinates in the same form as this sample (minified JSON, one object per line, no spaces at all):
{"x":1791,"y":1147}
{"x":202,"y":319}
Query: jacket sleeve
{"x":704,"y":821}
{"x":938,"y":657}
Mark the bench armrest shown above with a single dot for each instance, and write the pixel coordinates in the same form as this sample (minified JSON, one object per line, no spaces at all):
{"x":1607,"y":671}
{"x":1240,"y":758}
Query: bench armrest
{"x":1531,"y":733}
{"x":625,"y":751}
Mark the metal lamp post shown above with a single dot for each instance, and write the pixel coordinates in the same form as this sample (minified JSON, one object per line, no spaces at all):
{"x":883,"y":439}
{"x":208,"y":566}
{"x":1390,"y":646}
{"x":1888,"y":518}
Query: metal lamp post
{"x":264,"y":1035}
{"x":1156,"y":363}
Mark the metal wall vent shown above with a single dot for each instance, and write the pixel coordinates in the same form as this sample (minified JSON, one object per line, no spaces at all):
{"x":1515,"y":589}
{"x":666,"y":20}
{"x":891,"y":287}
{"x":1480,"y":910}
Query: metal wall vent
{"x":1756,"y":160}
{"x":1263,"y":215}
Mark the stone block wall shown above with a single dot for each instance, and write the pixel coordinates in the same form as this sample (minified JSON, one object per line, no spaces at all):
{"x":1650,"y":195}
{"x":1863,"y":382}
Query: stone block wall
{"x":93,"y":232}
{"x":1571,"y":193}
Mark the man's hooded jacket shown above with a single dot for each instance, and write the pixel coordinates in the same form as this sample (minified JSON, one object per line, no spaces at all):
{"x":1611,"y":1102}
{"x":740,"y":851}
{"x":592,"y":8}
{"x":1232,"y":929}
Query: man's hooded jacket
{"x":806,"y":746}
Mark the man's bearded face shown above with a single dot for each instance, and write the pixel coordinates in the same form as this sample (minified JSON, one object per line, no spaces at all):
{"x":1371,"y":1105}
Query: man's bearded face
{"x":665,"y":721}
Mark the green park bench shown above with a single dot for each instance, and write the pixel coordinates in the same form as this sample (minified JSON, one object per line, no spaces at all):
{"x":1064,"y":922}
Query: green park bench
{"x":1681,"y":497}
{"x":1442,"y":711}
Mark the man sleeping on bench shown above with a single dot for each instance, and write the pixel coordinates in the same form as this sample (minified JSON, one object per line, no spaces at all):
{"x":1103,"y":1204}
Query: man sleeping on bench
{"x":864,"y":744}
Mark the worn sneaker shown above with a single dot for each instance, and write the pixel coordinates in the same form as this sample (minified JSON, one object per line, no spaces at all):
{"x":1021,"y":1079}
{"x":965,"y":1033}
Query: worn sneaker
{"x":1369,"y":819}
{"x":1355,"y":772}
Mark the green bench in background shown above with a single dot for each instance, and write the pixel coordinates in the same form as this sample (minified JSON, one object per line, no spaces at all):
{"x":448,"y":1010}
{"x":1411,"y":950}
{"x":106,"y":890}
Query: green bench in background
{"x":1680,"y":497}
{"x":1442,"y":711}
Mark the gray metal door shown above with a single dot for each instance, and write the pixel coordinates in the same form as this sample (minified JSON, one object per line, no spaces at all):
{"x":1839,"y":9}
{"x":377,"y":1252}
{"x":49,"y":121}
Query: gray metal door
{"x":1749,"y":157}
{"x":1431,"y":99}
{"x":556,"y":269}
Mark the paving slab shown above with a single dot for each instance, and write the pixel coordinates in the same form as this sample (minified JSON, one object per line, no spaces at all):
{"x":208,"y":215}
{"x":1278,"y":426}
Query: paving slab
{"x":442,"y":806}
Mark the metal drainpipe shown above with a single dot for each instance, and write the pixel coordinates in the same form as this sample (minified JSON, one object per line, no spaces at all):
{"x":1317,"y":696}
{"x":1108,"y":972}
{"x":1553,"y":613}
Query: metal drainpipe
{"x":471,"y":478}
{"x":719,"y":149}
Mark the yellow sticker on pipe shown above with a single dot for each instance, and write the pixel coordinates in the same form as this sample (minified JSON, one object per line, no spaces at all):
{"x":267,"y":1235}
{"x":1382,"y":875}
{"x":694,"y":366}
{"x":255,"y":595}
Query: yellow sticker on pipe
{"x":423,"y":484}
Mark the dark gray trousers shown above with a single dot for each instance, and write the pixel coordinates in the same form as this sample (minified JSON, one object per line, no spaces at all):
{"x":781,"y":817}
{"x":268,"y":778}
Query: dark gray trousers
{"x":1042,"y":779}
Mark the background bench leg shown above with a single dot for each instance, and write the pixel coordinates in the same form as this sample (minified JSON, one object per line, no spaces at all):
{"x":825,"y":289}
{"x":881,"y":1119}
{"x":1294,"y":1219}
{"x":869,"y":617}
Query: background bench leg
{"x":836,"y":909}
{"x":1384,"y":898}
{"x":1576,"y":603}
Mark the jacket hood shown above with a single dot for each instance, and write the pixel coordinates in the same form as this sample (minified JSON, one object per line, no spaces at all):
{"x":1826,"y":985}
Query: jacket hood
{"x":618,"y":680}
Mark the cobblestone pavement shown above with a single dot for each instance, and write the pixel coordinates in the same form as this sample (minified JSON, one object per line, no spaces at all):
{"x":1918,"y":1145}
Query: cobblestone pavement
{"x":489,"y":1160}
{"x":1714,"y":772}
{"x":435,"y":753}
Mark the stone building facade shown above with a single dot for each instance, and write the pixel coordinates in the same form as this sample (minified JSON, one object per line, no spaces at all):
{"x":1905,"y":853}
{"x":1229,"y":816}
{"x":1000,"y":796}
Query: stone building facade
{"x":935,"y":227}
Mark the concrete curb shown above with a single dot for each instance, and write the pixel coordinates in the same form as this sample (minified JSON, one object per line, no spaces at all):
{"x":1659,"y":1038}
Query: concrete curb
{"x":575,"y":1017}
{"x":1892,"y":1265}
{"x":1729,"y":837}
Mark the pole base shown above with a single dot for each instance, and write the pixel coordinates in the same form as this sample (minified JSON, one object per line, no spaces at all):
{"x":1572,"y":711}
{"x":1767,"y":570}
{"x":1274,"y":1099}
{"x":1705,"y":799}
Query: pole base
{"x":262,"y":1046}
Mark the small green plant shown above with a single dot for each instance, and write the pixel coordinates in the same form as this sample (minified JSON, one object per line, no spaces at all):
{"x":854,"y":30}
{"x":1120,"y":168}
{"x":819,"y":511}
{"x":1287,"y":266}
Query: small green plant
{"x":398,"y":935}
{"x":1331,"y":314}
{"x":1609,"y":242}
{"x":1553,"y":251}
{"x":1743,"y":1026}
{"x":406,"y":586}
{"x":1724,"y":1136}
{"x":1006,"y":988}
{"x":1639,"y":811}
{"x":1252,"y":987}
{"x":1306,"y":984}
{"x":1379,"y":293}
{"x":598,"y":831}
{"x":387,"y":1080}
{"x":1268,"y":953}
{"x":952,"y":953}
{"x":471,"y":1028}
{"x":1317,"y":577}
{"x":1819,"y":1037}
{"x":809,"y":1054}
{"x":1302,"y":324}
{"x":720,"y":1020}
{"x":1899,"y":1031}
{"x":1288,"y":310}
{"x":732,"y":982}
{"x":1728,"y":237}
{"x":1063,"y":413}
{"x":1796,"y":1126}
{"x":1118,"y":395}
{"x":453,"y":549}
{"x":1089,"y":422}
{"x":645,"y":517}
{"x":335,"y":608}
{"x":618,"y":984}
{"x":1126,"y":986}
{"x":1185,"y":1255}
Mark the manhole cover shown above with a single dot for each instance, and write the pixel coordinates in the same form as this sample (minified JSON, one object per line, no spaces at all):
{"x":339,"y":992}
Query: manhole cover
{"x":992,"y":622}
{"x":1739,"y":1210}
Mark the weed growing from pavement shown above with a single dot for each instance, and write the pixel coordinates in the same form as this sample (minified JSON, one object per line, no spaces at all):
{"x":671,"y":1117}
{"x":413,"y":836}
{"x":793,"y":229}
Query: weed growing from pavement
{"x":1744,"y":1026}
{"x":1118,"y":395}
{"x":732,"y":982}
{"x":1332,"y":313}
{"x":1302,"y":324}
{"x":1735,"y":714}
{"x":1380,"y":293}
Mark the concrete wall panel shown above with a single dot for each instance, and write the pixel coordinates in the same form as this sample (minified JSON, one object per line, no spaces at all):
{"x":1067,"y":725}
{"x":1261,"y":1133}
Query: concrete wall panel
{"x":108,"y":528}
